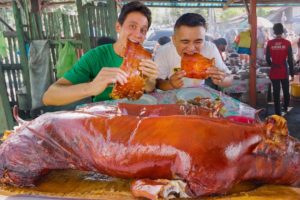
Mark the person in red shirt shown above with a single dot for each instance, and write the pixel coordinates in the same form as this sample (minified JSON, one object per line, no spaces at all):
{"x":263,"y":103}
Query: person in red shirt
{"x":279,"y":56}
{"x":298,"y":53}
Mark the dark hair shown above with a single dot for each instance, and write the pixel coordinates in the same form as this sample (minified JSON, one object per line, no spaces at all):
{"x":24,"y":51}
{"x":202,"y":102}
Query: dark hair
{"x":105,"y":40}
{"x":134,"y":6}
{"x":163,"y":40}
{"x":220,"y":41}
{"x":278,"y":29}
{"x":190,"y":19}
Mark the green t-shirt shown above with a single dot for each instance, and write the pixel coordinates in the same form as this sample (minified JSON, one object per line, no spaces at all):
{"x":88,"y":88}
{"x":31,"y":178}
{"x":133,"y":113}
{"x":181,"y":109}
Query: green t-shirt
{"x":89,"y":65}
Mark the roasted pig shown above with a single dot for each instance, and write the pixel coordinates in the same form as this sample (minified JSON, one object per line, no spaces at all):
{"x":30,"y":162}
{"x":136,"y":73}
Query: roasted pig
{"x":169,"y":153}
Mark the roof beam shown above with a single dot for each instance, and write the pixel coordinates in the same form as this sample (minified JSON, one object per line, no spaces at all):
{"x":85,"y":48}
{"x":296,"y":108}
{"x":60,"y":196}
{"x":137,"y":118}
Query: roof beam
{"x":52,"y":4}
{"x":247,"y":7}
{"x":5,"y":4}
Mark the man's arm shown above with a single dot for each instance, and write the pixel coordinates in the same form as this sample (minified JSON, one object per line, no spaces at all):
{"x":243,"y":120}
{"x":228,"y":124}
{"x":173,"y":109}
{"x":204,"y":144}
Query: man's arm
{"x":291,"y":61}
{"x":219,"y":77}
{"x":150,"y":85}
{"x":268,"y":55}
{"x":220,"y":74}
{"x":150,"y":69}
{"x":175,"y":81}
{"x":164,"y":84}
{"x":161,"y":60}
{"x":227,"y":81}
{"x":63,"y":92}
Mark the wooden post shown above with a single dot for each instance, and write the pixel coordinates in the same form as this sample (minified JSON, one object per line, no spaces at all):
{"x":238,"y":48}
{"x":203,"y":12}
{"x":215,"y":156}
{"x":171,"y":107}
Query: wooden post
{"x":66,"y":26}
{"x":252,"y":82}
{"x":6,"y":119}
{"x":33,"y":27}
{"x":113,"y":15}
{"x":34,"y":13}
{"x":104,"y":31}
{"x":39,"y":25}
{"x":23,"y":56}
{"x":247,"y":9}
{"x":84,"y":29}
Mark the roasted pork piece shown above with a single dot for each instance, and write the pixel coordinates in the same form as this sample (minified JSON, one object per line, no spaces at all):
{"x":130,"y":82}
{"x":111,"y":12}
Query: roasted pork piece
{"x":196,"y":65}
{"x":134,"y":88}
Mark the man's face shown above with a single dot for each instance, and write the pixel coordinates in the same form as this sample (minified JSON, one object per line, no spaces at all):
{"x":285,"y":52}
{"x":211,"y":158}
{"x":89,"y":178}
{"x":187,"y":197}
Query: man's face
{"x":189,"y":40}
{"x":134,"y":28}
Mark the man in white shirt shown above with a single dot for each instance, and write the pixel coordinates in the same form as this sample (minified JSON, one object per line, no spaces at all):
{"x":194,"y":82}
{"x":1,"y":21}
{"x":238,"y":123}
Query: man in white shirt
{"x":189,"y":38}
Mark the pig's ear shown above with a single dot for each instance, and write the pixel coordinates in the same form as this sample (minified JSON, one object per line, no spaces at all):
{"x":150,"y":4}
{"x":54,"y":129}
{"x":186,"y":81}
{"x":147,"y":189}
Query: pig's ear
{"x":270,"y":149}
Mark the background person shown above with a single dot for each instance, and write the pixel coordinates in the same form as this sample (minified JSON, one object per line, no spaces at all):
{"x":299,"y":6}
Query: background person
{"x":221,"y":44}
{"x":244,"y":43}
{"x":160,"y":42}
{"x":298,"y":52}
{"x":279,"y":56}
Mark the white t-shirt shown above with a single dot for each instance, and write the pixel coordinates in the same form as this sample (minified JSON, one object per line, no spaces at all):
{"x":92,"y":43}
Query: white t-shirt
{"x":167,"y":59}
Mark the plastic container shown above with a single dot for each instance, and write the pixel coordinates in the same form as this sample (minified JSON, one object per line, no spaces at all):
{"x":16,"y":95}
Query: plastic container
{"x":295,"y":90}
{"x":241,"y":119}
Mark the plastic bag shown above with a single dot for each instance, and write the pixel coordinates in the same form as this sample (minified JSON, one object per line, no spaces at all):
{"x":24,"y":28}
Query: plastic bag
{"x":66,"y":59}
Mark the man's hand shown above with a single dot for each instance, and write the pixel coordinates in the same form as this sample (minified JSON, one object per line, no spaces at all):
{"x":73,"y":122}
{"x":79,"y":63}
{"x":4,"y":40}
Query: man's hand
{"x":105,"y":77}
{"x":149,"y":68}
{"x":176,"y":80}
{"x":216,"y":75}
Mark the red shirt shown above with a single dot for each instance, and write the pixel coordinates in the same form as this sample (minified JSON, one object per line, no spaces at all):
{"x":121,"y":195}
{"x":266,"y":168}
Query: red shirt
{"x":278,"y":50}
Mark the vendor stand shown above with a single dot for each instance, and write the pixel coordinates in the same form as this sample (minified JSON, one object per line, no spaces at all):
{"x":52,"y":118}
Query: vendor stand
{"x":240,"y":90}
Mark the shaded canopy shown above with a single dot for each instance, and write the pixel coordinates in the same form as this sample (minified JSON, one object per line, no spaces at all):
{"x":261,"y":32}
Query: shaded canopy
{"x":216,"y":3}
{"x":178,"y":3}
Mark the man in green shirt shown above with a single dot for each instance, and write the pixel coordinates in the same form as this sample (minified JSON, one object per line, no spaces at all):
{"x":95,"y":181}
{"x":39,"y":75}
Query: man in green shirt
{"x":94,"y":73}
